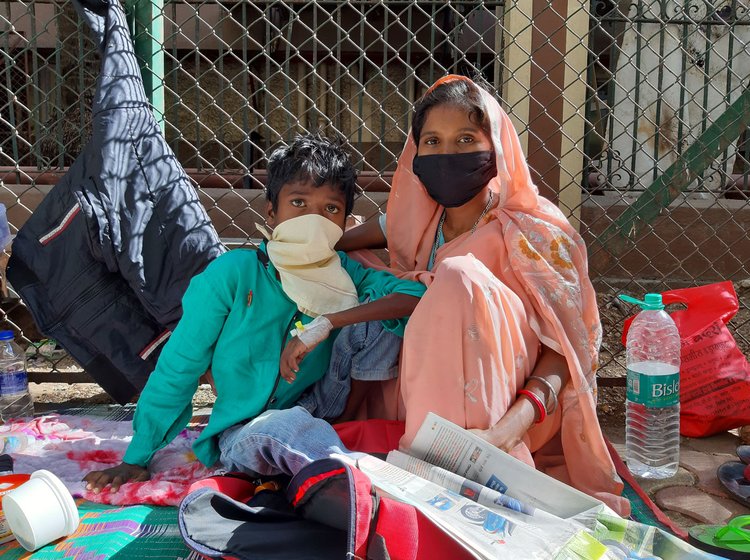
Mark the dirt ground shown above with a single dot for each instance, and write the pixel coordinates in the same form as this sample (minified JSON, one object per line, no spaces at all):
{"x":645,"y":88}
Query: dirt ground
{"x":90,"y":393}
{"x":611,"y":406}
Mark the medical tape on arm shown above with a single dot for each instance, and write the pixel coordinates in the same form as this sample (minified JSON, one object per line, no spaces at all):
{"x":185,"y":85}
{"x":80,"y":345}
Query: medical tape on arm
{"x":314,"y":332}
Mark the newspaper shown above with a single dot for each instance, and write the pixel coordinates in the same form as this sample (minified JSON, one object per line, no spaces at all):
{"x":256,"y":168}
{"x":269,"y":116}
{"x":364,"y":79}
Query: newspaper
{"x":467,"y":488}
{"x":498,"y":507}
{"x":487,"y":533}
{"x":443,"y":444}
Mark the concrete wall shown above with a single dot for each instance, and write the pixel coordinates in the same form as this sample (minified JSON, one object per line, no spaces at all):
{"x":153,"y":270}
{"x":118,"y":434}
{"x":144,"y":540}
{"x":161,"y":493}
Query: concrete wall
{"x":704,"y":240}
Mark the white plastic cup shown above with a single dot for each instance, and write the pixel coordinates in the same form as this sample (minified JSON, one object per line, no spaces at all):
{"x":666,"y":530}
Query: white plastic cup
{"x":40,"y":511}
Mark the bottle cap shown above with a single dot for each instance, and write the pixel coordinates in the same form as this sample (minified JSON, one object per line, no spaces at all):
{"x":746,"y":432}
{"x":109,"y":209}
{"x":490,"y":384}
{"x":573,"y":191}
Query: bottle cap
{"x":6,"y":335}
{"x":6,"y":464}
{"x":650,"y":302}
{"x":653,"y":301}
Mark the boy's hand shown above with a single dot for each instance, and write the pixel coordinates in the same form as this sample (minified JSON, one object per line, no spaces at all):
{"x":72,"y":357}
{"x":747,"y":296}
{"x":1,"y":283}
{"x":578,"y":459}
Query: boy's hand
{"x":116,"y":476}
{"x":298,"y":347}
{"x":293,"y":353}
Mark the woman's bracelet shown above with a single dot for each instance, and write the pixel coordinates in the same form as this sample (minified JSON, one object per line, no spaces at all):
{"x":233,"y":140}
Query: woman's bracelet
{"x":537,"y":402}
{"x":552,"y":392}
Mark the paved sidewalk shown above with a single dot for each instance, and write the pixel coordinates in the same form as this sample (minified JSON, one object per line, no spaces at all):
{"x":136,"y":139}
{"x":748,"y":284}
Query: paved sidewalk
{"x":694,"y":495}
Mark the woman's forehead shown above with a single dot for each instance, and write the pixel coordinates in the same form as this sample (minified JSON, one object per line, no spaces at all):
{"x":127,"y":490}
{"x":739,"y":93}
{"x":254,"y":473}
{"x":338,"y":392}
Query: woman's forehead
{"x":442,"y":117}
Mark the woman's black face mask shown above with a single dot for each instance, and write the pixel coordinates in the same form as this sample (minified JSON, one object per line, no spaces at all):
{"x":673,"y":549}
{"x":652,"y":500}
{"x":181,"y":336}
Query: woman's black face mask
{"x":452,"y":180}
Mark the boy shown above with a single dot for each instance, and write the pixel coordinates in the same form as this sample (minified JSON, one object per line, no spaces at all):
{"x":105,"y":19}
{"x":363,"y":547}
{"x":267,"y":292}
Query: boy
{"x":238,"y":315}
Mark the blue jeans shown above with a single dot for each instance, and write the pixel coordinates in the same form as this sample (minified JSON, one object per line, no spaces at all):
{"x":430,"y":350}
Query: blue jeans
{"x":285,"y":441}
{"x":279,"y":442}
{"x":363,"y":351}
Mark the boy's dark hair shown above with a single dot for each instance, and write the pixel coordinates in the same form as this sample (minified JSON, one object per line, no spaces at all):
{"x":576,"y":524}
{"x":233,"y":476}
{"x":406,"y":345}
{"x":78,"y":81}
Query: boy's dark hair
{"x":315,"y":158}
{"x":456,"y":93}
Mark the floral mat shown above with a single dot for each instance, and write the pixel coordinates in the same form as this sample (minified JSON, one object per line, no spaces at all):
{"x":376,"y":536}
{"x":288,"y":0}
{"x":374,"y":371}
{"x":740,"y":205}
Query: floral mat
{"x":74,"y":435}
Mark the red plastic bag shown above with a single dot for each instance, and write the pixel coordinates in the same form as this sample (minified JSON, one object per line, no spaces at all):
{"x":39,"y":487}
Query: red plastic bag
{"x":714,"y":374}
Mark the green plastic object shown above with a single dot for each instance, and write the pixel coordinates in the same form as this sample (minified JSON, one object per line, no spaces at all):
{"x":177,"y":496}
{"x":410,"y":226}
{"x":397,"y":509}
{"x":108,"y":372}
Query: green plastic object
{"x":728,"y":541}
{"x":146,"y":20}
{"x":651,"y":301}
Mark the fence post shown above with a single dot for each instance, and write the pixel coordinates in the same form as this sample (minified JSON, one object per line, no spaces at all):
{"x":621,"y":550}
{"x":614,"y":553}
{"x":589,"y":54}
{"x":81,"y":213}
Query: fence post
{"x":573,"y":111}
{"x":518,"y":26}
{"x":146,"y":19}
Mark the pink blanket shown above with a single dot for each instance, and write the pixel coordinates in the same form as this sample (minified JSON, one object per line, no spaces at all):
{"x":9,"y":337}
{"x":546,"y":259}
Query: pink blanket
{"x":71,"y":446}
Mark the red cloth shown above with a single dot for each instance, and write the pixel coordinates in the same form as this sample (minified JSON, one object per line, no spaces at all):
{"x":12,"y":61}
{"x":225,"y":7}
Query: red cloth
{"x":371,"y":436}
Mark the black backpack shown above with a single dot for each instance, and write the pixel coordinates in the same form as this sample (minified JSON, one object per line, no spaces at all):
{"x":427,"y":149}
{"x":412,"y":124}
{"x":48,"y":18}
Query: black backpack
{"x":328,"y":510}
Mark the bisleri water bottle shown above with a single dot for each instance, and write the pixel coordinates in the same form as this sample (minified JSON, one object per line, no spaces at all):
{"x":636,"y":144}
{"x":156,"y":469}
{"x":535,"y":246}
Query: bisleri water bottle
{"x":652,"y":436}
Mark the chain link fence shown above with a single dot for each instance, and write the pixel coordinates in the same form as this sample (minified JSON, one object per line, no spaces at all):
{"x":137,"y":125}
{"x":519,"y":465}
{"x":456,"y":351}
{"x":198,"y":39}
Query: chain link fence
{"x":608,"y":98}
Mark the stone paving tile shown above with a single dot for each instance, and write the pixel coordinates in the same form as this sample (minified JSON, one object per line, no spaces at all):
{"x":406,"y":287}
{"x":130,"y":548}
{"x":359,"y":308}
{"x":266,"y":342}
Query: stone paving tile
{"x":698,"y":505}
{"x":703,"y":466}
{"x":724,"y":442}
{"x":682,"y":521}
{"x":694,"y":495}
{"x":682,"y":478}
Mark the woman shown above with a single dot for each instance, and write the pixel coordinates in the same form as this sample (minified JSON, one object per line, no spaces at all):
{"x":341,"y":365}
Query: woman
{"x":505,"y":340}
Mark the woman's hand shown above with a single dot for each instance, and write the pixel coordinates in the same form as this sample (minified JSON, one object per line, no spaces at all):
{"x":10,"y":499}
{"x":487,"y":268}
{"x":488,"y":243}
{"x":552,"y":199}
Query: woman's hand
{"x":522,"y":414}
{"x":116,"y":477}
{"x":293,"y":353}
{"x":511,"y":429}
{"x":506,"y":435}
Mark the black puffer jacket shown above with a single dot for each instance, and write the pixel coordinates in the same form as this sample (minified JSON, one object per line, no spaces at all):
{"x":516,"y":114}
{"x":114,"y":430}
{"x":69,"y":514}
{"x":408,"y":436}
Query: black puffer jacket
{"x":103,"y":262}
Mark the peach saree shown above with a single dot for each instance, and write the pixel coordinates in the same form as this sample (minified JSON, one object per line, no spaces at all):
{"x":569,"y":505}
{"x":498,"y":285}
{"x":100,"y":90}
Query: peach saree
{"x":520,"y":280}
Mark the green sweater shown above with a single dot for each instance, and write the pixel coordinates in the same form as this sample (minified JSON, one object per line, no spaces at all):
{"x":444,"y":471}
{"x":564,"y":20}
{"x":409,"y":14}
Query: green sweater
{"x":236,"y":320}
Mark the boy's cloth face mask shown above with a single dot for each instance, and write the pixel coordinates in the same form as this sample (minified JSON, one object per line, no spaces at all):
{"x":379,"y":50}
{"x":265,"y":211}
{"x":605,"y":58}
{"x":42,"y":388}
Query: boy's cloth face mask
{"x":310,"y":270}
{"x":452,"y":180}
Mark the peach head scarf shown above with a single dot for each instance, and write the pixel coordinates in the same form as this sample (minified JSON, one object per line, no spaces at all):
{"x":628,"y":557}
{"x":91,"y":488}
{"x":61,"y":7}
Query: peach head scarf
{"x":530,"y":247}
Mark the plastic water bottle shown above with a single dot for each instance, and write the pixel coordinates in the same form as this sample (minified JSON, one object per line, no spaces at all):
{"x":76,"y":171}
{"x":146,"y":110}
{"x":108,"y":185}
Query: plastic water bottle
{"x":15,"y":400}
{"x":652,"y":436}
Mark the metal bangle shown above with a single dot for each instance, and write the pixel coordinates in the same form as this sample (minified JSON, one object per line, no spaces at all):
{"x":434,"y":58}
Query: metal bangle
{"x":552,"y":391}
